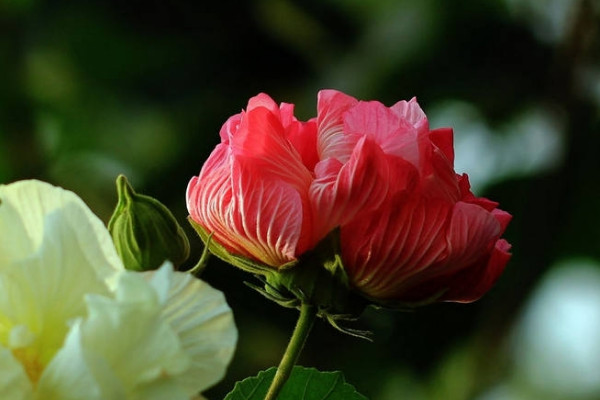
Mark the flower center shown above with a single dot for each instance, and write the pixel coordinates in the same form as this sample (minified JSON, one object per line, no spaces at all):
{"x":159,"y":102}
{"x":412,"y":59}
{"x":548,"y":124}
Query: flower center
{"x":24,"y":346}
{"x":30,"y":361}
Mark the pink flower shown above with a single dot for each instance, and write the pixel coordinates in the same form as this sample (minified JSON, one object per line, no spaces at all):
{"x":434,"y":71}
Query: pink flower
{"x":410,"y":228}
{"x":430,"y":237}
{"x":253,"y":191}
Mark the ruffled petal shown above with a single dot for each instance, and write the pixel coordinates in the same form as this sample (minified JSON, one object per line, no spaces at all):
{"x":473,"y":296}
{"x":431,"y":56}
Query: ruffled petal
{"x":122,"y":346}
{"x":385,"y":248}
{"x":340,"y":191}
{"x":265,"y":217}
{"x":250,"y":214}
{"x":263,"y":100}
{"x":303,"y":136}
{"x":471,"y":233}
{"x":411,"y":112}
{"x":442,"y":138}
{"x":262,"y":138}
{"x":24,"y":208}
{"x":332,"y":142}
{"x":40,"y":294}
{"x":395,"y":135}
{"x":78,"y":372}
{"x":202,"y":320}
{"x":229,"y":128}
{"x":472,"y":283}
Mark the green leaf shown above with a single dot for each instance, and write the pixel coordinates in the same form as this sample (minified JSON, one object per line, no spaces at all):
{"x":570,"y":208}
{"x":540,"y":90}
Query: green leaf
{"x":304,"y":384}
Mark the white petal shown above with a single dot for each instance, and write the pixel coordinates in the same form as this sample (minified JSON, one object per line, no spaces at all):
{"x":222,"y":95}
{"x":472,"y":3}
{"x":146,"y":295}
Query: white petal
{"x":130,"y":334}
{"x":204,"y":323}
{"x":41,"y":293}
{"x":78,"y":373}
{"x":25,"y":207}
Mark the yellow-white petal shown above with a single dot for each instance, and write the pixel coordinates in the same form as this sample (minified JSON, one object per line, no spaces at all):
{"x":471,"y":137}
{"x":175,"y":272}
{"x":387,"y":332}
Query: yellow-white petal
{"x":78,"y":373}
{"x":203,"y":321}
{"x":42,"y":292}
{"x":123,"y":343}
{"x":25,"y":207}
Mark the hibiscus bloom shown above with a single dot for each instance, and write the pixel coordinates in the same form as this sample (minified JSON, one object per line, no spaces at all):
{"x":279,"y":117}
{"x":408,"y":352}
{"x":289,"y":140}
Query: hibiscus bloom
{"x":74,"y":324}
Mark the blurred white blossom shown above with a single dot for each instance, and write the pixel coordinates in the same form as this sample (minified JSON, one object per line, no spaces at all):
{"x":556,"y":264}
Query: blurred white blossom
{"x":74,"y":324}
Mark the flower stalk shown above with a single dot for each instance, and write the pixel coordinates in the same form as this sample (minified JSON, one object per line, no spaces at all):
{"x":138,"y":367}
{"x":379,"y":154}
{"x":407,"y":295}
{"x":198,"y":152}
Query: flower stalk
{"x":304,"y":324}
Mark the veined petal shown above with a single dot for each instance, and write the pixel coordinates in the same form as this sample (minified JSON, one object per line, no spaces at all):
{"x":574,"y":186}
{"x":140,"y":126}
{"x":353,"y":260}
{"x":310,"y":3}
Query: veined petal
{"x":78,"y":372}
{"x":266,"y":215}
{"x":387,"y":247}
{"x":438,"y":178}
{"x":122,"y":346}
{"x":24,"y":207}
{"x":443,"y":138}
{"x":475,"y":258}
{"x":303,"y":136}
{"x":339,"y":191}
{"x":396,"y":136}
{"x":411,"y":112}
{"x":332,"y":142}
{"x":263,"y":100}
{"x":472,"y":232}
{"x":44,"y":291}
{"x":472,"y":283}
{"x":130,"y":335}
{"x":229,"y":128}
{"x":251,"y":215}
{"x":202,"y":320}
{"x":262,"y":138}
{"x":14,"y":382}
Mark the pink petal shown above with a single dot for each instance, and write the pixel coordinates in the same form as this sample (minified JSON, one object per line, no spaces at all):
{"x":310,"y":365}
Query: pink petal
{"x":262,"y":138}
{"x":340,"y":191}
{"x":332,"y":141}
{"x":471,"y":233}
{"x":214,"y":171}
{"x":303,"y":137}
{"x":393,"y":134}
{"x":468,"y":197}
{"x":411,"y":112}
{"x":469,"y":285}
{"x":287,"y":116}
{"x":385,"y":248}
{"x":249,"y":214}
{"x":438,"y":178}
{"x":263,"y":100}
{"x":266,"y":215}
{"x":443,"y":139}
{"x":229,"y":128}
{"x":503,"y":218}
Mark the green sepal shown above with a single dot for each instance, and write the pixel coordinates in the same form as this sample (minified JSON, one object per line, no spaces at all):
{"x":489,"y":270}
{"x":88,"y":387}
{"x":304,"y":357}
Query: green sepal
{"x":144,"y":231}
{"x":319,"y":279}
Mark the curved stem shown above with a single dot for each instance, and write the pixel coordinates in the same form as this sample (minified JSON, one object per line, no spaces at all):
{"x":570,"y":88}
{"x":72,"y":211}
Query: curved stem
{"x":201,"y":264}
{"x":308,"y":313}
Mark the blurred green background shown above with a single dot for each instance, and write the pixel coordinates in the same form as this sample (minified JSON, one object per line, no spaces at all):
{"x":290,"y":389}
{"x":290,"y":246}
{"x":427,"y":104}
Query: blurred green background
{"x":90,"y":89}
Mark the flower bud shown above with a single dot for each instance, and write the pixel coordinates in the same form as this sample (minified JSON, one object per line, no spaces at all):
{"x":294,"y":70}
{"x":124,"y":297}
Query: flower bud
{"x":144,"y":231}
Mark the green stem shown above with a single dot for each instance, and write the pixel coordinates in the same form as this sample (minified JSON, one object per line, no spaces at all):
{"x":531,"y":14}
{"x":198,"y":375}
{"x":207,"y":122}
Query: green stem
{"x":308,"y":313}
{"x":201,"y":264}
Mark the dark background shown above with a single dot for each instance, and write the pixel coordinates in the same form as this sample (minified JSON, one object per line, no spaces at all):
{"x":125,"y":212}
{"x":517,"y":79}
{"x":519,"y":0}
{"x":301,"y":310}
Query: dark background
{"x":91,"y":89}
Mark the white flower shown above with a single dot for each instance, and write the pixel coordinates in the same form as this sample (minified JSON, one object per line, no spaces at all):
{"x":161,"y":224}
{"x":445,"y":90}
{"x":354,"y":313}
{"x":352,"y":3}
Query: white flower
{"x":75,"y":325}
